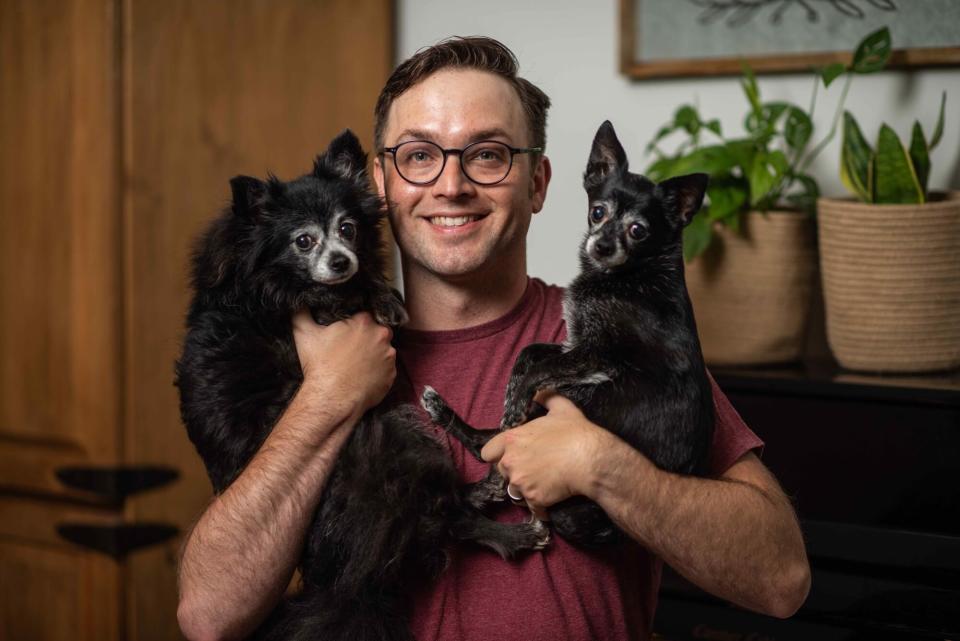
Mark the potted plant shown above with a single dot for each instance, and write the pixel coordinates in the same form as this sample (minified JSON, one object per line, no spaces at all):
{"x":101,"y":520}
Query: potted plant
{"x":891,"y":258}
{"x":752,"y":252}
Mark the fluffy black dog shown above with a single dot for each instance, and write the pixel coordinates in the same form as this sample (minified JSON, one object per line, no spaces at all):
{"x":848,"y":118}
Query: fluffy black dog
{"x":393,"y":501}
{"x":632,"y":361}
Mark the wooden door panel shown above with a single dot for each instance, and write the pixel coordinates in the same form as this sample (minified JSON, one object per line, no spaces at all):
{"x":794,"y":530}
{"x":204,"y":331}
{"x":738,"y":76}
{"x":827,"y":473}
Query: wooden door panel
{"x":59,"y":239}
{"x":53,"y":590}
{"x":215,"y":89}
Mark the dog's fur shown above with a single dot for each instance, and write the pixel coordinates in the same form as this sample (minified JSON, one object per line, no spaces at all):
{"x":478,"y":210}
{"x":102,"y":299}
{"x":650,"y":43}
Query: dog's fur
{"x":393,"y":501}
{"x":631,"y":361}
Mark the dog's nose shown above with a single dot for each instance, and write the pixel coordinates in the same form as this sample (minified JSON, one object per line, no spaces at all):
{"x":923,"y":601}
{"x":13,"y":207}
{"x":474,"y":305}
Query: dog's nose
{"x":603,"y":248}
{"x":339,"y":263}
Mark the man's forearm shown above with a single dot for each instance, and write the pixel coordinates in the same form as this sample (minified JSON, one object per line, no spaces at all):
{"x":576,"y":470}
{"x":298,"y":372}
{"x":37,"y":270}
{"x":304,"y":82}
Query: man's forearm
{"x":736,"y":537}
{"x":242,"y":552}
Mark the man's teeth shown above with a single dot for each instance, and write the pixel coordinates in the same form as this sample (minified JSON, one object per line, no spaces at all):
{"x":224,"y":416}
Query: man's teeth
{"x":452,"y":221}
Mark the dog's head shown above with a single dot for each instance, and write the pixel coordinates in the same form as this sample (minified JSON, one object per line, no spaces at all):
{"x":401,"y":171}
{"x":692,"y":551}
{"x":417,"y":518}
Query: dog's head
{"x":284,"y":238}
{"x":630,"y":218}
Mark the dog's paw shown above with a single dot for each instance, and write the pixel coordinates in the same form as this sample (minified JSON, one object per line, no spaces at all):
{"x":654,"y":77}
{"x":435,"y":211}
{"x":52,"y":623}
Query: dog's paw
{"x":390,"y":312}
{"x":434,"y":405}
{"x":539,"y":533}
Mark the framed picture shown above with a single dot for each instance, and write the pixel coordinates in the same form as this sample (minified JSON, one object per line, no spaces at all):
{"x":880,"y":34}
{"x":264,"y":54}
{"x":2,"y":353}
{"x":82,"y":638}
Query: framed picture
{"x":674,"y":38}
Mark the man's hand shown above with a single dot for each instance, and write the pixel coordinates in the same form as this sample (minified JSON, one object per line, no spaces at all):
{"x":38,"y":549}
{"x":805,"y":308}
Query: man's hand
{"x":550,"y":458}
{"x":350,"y":359}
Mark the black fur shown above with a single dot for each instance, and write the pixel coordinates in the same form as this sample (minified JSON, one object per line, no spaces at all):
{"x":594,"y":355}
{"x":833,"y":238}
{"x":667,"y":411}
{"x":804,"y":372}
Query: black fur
{"x":392,"y":503}
{"x":632,"y":359}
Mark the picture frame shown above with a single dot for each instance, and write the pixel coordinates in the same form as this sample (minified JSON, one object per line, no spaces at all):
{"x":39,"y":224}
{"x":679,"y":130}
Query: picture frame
{"x":690,"y":38}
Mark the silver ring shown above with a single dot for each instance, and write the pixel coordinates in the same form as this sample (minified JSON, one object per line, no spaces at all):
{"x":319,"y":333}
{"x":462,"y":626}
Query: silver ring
{"x":510,"y":494}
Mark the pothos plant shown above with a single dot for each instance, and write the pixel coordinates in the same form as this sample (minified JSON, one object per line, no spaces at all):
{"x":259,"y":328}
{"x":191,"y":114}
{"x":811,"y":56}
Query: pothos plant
{"x":765,"y":168}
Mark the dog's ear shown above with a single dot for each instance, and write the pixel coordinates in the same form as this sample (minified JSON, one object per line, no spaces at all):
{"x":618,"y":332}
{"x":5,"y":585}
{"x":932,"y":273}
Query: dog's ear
{"x":344,"y":158}
{"x":248,"y":193}
{"x":606,"y":156}
{"x":682,"y":196}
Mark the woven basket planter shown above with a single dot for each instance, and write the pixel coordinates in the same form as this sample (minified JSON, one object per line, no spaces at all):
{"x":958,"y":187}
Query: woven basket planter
{"x":751,"y":291}
{"x":891,"y":281}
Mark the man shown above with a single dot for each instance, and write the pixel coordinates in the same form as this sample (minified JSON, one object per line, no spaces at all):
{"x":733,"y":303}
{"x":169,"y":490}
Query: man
{"x":472,"y":309}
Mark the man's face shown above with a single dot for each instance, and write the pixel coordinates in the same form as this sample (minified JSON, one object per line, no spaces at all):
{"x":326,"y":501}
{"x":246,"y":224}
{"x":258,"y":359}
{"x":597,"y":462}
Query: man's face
{"x":453,"y":227}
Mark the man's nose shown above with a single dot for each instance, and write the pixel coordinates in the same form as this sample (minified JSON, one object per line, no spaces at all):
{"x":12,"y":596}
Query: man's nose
{"x":452,"y":182}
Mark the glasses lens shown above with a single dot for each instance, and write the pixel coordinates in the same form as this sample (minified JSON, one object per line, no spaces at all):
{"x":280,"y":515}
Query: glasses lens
{"x":419,"y":161}
{"x":486,"y":162}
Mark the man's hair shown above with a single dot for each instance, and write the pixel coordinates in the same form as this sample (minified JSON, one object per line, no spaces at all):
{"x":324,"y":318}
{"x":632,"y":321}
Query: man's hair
{"x":472,"y":52}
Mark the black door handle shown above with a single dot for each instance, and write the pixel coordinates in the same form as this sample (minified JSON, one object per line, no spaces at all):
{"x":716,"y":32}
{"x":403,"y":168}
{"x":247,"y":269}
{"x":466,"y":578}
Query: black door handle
{"x":117,"y":540}
{"x":114,"y":484}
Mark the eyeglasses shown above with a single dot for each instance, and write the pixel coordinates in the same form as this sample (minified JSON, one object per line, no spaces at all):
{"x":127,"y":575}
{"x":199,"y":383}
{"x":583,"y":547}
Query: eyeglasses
{"x":486,"y":162}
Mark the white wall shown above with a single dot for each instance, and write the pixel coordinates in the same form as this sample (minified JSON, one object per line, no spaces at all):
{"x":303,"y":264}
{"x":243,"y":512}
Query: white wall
{"x":569,"y":48}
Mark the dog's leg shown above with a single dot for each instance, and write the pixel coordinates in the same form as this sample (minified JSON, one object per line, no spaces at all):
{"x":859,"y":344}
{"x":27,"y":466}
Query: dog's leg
{"x":568,"y":369}
{"x":529,"y":357}
{"x":506,"y":539}
{"x":441,"y":414}
{"x":387,"y":305}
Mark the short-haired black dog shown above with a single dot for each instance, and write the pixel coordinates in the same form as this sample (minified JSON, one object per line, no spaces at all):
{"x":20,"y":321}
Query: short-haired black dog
{"x":393,"y":501}
{"x":631,"y":361}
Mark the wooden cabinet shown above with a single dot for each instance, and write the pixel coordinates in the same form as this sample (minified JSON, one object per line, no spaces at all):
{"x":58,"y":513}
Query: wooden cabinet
{"x":121,"y":122}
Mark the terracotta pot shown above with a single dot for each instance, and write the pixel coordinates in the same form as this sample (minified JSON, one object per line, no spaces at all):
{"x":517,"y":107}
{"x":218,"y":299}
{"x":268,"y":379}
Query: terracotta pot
{"x":891,"y":280}
{"x":751,"y":290}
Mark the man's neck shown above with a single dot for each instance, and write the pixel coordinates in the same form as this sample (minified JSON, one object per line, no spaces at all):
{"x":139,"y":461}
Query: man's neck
{"x":436,"y":303}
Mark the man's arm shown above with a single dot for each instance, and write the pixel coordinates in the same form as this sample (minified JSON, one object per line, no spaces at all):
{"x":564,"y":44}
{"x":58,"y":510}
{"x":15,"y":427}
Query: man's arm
{"x":736,"y":536}
{"x":242,"y":552}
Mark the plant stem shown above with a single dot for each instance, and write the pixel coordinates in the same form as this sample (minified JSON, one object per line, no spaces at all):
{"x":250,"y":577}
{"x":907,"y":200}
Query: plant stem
{"x":833,"y":129}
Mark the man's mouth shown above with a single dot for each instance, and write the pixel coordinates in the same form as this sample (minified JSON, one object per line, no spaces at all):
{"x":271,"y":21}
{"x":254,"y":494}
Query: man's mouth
{"x":452,"y":221}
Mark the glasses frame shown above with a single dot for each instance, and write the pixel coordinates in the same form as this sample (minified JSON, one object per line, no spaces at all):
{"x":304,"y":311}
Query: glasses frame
{"x":460,"y":152}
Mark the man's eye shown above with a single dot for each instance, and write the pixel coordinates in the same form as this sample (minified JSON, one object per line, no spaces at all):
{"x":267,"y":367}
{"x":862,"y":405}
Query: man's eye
{"x":348,"y":230}
{"x":304,"y":242}
{"x":597,"y":214}
{"x":419,"y":156}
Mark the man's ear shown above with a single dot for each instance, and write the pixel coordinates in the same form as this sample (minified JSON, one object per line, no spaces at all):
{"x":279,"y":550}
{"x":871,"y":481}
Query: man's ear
{"x":606,"y":156}
{"x":539,"y":183}
{"x":248,"y":193}
{"x":344,"y":158}
{"x":683,"y":195}
{"x":378,"y":177}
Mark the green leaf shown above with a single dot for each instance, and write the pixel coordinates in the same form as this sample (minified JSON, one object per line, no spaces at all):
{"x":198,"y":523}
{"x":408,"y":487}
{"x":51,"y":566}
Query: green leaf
{"x":687,"y":118}
{"x":896,"y":180}
{"x":714,"y":126}
{"x":806,"y":199}
{"x":749,"y":84}
{"x":713,"y":160}
{"x":798,"y":128}
{"x":742,"y":152}
{"x":873,"y":52}
{"x":920,"y":156}
{"x":661,"y":169}
{"x":727,"y":198}
{"x":938,"y":130}
{"x":763,"y":176}
{"x":763,"y":121}
{"x":832,"y":72}
{"x":696,"y":237}
{"x":856,"y":163}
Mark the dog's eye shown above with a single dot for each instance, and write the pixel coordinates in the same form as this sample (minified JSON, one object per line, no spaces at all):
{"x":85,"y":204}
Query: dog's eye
{"x":304,"y":242}
{"x":637,"y":231}
{"x":597,"y":214}
{"x":348,"y":231}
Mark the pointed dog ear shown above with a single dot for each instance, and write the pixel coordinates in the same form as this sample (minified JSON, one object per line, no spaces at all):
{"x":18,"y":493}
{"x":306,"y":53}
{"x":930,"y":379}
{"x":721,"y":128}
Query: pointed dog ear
{"x":248,"y":195}
{"x":606,"y":156}
{"x":683,"y":195}
{"x":344,"y":158}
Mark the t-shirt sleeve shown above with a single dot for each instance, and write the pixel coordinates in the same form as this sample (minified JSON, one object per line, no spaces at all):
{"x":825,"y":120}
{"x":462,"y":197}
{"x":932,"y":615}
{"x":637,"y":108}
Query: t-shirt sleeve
{"x":731,"y":436}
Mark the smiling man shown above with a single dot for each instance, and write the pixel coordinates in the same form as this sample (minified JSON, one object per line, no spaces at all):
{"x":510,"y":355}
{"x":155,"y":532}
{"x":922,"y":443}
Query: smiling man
{"x":460,"y":163}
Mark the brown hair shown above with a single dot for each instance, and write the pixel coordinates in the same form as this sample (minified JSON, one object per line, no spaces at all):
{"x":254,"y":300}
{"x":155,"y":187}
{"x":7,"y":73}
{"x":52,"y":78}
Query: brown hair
{"x":472,"y":52}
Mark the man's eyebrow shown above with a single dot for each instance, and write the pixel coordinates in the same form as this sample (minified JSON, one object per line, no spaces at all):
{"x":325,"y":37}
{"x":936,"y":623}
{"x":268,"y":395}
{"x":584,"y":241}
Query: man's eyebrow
{"x":420,"y":134}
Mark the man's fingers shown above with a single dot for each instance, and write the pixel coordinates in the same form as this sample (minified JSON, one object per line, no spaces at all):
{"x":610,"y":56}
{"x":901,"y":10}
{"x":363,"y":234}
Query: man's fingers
{"x":493,"y":450}
{"x":553,"y":401}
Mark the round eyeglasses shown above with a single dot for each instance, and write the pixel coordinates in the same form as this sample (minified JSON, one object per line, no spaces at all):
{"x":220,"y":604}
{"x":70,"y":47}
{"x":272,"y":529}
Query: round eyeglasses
{"x":486,"y":162}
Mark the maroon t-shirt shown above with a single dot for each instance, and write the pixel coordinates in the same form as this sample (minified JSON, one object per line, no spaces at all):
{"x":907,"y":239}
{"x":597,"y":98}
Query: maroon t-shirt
{"x":564,"y":593}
